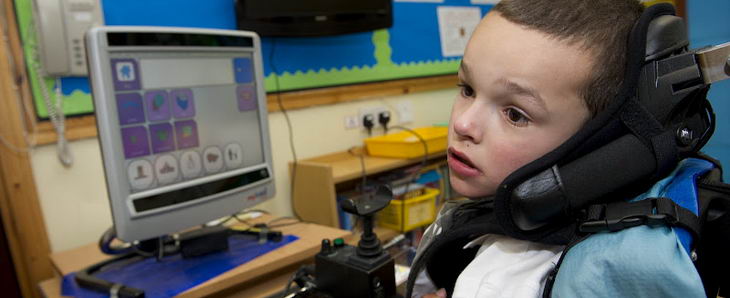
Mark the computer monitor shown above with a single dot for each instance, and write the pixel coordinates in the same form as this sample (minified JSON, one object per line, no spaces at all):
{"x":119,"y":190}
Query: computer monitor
{"x":182,"y":123}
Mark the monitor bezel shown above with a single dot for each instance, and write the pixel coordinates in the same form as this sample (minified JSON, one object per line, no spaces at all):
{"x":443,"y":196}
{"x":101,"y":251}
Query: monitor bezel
{"x":129,"y":224}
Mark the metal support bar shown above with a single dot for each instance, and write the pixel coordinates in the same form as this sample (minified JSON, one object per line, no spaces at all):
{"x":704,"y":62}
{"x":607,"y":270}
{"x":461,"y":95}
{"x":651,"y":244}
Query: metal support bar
{"x":715,"y":62}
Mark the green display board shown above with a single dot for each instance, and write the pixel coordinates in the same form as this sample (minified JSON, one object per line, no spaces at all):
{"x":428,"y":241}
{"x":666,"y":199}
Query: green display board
{"x":410,"y":48}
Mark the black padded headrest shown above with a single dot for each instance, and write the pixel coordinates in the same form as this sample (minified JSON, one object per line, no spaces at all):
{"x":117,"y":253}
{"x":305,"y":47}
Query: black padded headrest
{"x":666,"y":34}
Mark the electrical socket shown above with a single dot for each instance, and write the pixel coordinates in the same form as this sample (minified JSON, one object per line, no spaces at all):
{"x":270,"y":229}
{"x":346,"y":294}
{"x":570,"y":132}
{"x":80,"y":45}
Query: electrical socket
{"x":351,"y":121}
{"x":405,"y":111}
{"x":373,"y":111}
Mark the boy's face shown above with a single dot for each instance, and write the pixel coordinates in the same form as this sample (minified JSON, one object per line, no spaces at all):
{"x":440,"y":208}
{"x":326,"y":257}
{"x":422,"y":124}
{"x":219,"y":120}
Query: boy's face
{"x":519,"y":100}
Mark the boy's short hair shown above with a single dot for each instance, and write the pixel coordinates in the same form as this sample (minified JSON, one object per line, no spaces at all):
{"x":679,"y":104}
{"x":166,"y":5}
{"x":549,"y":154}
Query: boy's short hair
{"x":601,"y":27}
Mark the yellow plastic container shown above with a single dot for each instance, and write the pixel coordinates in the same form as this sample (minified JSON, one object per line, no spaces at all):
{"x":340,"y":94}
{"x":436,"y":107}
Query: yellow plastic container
{"x":406,"y":215}
{"x":405,"y":144}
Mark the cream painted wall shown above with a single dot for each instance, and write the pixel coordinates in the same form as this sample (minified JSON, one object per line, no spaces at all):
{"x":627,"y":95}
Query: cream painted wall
{"x":74,"y":200}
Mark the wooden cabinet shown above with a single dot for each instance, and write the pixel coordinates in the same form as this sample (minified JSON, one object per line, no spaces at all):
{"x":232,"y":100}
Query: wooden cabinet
{"x":315,"y":183}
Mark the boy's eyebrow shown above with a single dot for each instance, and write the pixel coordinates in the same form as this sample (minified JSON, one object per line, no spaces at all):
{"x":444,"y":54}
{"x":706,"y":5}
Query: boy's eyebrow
{"x":518,"y":89}
{"x":511,"y":86}
{"x":464,"y":69}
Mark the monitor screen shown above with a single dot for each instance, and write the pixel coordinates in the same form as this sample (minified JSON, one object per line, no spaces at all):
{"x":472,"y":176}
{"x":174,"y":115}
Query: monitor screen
{"x":182,"y":122}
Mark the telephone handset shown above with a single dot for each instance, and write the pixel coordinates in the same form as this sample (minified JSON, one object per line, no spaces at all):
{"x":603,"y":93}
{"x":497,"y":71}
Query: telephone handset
{"x":61,"y":25}
{"x":59,"y":29}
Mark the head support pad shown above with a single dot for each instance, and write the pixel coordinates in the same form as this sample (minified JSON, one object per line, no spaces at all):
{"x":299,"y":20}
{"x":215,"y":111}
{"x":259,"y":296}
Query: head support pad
{"x":624,"y":145}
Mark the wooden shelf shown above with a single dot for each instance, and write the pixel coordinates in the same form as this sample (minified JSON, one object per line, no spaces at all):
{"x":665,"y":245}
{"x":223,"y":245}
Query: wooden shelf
{"x":315,"y":198}
{"x":346,"y":165}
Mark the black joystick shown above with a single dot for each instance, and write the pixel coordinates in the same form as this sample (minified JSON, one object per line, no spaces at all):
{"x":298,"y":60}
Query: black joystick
{"x":366,"y":207}
{"x":362,"y":271}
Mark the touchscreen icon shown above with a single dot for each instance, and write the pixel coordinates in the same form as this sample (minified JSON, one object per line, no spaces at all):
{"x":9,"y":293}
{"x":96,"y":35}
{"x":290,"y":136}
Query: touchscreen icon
{"x":126,"y":74}
{"x":125,"y":71}
{"x":129,"y":108}
{"x":190,"y":164}
{"x":158,"y":108}
{"x":134,"y":141}
{"x":162,"y":138}
{"x":243,"y":70}
{"x":246,"y":97}
{"x":212,"y":159}
{"x":183,"y":105}
{"x":166,"y":169}
{"x":186,"y":134}
{"x":233,"y":155}
{"x":140,"y":174}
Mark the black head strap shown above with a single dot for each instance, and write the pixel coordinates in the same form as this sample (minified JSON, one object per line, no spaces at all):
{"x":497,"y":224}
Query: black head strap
{"x":621,"y":126}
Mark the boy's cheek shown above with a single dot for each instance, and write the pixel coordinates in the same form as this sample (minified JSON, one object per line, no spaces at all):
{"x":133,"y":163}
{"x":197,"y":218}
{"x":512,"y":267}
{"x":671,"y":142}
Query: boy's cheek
{"x":474,"y":187}
{"x":510,"y":155}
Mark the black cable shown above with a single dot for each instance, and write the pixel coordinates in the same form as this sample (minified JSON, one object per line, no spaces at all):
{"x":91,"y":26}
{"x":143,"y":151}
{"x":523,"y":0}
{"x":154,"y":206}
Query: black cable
{"x":143,"y":253}
{"x":363,"y":174}
{"x":288,"y":124}
{"x":287,"y":288}
{"x":271,"y":224}
{"x":105,"y":243}
{"x":410,"y":180}
{"x":243,"y":221}
{"x":415,"y":173}
{"x":425,"y":153}
{"x":235,"y":216}
{"x":383,"y":119}
{"x":356,"y":224}
{"x":223,"y":222}
{"x":160,"y":248}
{"x":86,"y":279}
{"x":368,"y":121}
{"x":302,"y":276}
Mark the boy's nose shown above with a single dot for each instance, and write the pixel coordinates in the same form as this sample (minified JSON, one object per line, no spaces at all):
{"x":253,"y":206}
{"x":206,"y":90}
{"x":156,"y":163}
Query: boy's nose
{"x":466,"y":126}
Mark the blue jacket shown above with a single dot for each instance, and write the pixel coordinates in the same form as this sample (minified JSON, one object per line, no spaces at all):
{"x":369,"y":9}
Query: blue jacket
{"x":641,"y":261}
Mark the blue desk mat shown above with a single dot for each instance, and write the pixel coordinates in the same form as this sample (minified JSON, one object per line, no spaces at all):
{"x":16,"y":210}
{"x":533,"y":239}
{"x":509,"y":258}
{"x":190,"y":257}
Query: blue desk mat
{"x":173,"y":275}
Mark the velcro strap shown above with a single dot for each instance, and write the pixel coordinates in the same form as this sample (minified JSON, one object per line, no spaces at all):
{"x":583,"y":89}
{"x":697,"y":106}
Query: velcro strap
{"x":665,"y":150}
{"x":617,"y":216}
{"x":644,"y":125}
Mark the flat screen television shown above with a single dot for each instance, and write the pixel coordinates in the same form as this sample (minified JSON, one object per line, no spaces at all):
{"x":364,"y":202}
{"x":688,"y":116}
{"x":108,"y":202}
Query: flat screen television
{"x":292,"y":18}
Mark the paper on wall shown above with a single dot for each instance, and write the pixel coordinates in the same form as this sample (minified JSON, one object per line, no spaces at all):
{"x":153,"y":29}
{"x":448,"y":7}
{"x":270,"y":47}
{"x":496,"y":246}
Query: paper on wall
{"x":456,"y":23}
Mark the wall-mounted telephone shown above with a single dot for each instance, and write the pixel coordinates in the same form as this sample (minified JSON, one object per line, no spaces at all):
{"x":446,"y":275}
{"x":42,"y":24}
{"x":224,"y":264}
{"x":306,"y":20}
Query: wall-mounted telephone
{"x":60,"y":26}
{"x":58,"y":29}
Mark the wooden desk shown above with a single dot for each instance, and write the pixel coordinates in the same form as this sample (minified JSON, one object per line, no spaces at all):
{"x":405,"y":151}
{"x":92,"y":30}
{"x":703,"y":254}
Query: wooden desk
{"x":260,"y":277}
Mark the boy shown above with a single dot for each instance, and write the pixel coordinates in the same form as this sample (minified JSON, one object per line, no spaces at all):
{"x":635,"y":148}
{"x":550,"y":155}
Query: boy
{"x":533,"y":73}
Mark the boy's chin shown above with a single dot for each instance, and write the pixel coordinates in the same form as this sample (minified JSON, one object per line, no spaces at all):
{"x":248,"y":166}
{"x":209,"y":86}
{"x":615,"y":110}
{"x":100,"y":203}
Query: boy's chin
{"x":470,"y":189}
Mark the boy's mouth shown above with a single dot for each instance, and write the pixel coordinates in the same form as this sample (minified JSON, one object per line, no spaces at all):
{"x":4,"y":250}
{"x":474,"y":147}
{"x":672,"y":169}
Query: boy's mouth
{"x":460,"y":164}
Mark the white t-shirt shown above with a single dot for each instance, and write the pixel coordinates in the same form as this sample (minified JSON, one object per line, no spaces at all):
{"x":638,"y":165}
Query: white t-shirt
{"x":507,"y":267}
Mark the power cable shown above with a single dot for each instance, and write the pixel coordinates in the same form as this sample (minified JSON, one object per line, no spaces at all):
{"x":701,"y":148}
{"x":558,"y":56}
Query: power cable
{"x":289,"y":127}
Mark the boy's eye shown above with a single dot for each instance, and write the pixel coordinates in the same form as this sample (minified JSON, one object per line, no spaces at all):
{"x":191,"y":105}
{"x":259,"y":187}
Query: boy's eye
{"x":516,"y":117}
{"x":466,"y":90}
